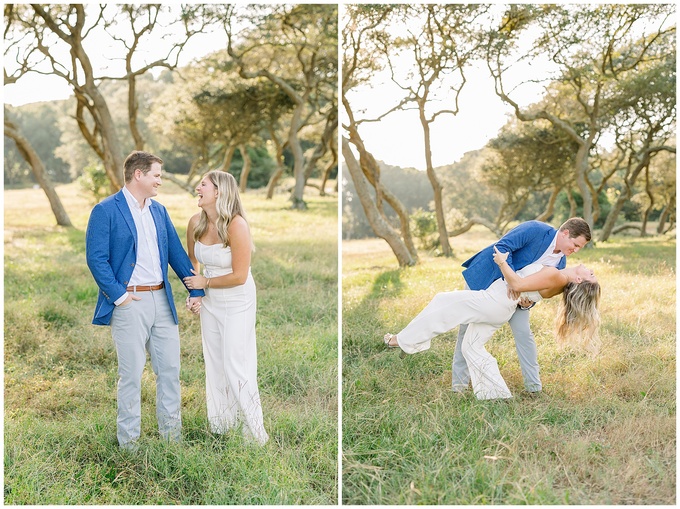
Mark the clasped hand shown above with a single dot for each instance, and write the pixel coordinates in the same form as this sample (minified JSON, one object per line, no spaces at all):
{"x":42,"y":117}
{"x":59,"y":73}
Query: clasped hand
{"x":499,"y":257}
{"x":193,"y":304}
{"x":195,"y":282}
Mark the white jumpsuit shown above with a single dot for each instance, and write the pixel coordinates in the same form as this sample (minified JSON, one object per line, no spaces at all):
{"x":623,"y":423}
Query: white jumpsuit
{"x":229,"y":349}
{"x":485,"y":311}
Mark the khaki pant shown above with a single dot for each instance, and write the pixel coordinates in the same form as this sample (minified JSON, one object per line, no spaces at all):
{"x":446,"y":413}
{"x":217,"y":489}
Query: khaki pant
{"x":144,"y":326}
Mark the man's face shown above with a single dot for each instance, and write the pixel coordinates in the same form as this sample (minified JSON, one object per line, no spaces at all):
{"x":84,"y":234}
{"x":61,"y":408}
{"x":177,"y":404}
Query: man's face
{"x":149,"y":183}
{"x":568,"y":245}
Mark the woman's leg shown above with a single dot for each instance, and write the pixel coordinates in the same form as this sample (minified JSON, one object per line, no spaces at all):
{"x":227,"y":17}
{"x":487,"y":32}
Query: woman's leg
{"x":240,"y":359}
{"x":448,"y":310}
{"x":220,"y":403}
{"x":487,"y":382}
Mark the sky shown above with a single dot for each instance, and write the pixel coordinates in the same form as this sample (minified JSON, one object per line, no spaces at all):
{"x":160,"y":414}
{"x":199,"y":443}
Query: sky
{"x":398,"y":139}
{"x":106,"y":59}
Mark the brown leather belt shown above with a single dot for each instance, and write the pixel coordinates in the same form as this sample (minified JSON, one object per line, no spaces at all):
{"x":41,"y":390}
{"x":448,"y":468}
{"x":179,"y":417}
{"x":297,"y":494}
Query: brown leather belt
{"x":140,"y":288}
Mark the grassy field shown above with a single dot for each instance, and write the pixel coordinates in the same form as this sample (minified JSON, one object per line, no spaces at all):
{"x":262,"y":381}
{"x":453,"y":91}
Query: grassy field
{"x":602,"y":432}
{"x":60,"y":371}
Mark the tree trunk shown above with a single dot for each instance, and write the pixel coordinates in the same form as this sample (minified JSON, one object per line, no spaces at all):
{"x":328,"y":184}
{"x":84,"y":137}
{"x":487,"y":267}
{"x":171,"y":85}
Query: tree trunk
{"x":333,"y":147}
{"x":133,"y":108}
{"x":329,"y":132}
{"x":627,"y":226}
{"x":648,"y":210}
{"x":473,"y":221}
{"x":629,"y":180}
{"x":228,"y":155}
{"x":324,"y":177}
{"x":665,"y":213}
{"x":274,"y":180}
{"x":371,"y":171}
{"x":245,"y":171}
{"x":573,"y":206}
{"x":581,"y":168}
{"x":280,"y":164}
{"x":298,"y":160}
{"x":113,"y":160}
{"x":380,"y":227}
{"x":32,"y":158}
{"x":550,"y":207}
{"x":195,"y":166}
{"x":613,"y":215}
{"x":436,"y":186}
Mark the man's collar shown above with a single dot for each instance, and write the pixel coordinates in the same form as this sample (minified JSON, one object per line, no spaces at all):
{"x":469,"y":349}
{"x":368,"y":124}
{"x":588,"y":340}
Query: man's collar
{"x":132,"y":201}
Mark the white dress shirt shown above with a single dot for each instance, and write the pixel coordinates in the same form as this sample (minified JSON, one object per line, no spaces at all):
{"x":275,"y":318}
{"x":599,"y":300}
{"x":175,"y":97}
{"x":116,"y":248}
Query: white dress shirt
{"x":549,"y":258}
{"x":147,"y":271}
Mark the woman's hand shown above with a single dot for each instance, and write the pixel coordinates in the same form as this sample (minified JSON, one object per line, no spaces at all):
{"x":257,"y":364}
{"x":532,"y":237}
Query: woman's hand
{"x":498,"y":257}
{"x":193,"y":304}
{"x":195,"y":282}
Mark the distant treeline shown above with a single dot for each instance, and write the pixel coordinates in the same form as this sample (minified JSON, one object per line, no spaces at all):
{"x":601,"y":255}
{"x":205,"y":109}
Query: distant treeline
{"x":53,"y":132}
{"x":466,"y":194}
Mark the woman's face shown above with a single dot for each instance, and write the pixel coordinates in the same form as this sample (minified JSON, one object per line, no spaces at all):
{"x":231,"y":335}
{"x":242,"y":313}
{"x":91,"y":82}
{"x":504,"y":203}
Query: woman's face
{"x":207,"y":192}
{"x":585,"y":274}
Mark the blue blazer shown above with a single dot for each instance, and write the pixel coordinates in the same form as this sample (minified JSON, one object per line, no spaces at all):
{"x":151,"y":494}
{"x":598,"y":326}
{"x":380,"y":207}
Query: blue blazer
{"x":525,"y":243}
{"x":111,"y":252}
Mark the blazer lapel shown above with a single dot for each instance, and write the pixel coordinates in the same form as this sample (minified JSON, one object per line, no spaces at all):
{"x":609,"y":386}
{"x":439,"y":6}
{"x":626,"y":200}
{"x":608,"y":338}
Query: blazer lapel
{"x":545,"y":244}
{"x":124,"y":208}
{"x":161,"y":234}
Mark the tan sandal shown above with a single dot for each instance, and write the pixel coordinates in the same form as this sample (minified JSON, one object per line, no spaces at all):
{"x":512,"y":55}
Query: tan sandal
{"x":387,"y":338}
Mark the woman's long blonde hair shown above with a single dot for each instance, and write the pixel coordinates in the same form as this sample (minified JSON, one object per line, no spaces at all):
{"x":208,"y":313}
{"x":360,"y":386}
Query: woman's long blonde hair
{"x":578,"y":317}
{"x":228,"y":205}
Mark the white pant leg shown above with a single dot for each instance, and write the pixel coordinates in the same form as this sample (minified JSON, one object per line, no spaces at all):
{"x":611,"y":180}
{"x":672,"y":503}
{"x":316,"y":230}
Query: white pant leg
{"x":449,"y":309}
{"x":487,"y":381}
{"x":221,"y":405}
{"x":231,"y":360}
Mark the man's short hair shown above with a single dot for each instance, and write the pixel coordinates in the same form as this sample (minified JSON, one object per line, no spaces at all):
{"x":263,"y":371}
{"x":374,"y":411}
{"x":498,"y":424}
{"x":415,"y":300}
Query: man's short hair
{"x":139,"y":160}
{"x":577,"y":227}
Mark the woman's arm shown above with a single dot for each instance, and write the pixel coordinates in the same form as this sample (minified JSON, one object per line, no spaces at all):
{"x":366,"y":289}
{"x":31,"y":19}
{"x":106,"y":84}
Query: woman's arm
{"x":239,"y":240}
{"x":548,"y":278}
{"x":191,"y":242}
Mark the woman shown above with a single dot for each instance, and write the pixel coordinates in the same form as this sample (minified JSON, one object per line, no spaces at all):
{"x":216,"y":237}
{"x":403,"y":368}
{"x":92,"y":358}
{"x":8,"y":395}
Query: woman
{"x":219,"y":238}
{"x":486,"y":310}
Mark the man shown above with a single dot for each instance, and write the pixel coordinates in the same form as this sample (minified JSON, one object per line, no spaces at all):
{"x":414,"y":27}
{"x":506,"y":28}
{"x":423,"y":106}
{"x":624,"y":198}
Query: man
{"x":130,"y":240}
{"x":530,"y":242}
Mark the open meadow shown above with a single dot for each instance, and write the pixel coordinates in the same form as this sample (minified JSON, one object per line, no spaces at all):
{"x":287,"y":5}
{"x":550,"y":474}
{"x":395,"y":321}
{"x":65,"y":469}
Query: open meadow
{"x":603,"y":430}
{"x":60,"y":371}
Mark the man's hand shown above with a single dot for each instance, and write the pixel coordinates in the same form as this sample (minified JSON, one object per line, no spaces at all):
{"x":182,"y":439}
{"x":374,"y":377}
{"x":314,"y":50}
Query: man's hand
{"x":129,"y":299}
{"x":194,"y":304}
{"x":525,"y":303}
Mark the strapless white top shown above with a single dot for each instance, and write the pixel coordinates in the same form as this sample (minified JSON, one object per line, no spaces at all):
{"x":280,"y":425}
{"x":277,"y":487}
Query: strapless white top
{"x":215,"y":258}
{"x":527,"y":271}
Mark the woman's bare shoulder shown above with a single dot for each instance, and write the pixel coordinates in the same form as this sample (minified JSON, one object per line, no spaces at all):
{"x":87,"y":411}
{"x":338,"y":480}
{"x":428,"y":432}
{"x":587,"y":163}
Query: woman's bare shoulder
{"x":238,"y":222}
{"x":193,"y":220}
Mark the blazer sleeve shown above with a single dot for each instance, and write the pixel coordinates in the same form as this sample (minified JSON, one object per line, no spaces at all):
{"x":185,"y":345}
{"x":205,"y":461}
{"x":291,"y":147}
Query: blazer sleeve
{"x":98,"y":255}
{"x":517,"y":238}
{"x":178,"y":257}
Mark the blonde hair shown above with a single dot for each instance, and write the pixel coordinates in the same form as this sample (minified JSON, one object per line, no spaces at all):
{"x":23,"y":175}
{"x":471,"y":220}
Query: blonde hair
{"x":228,"y":205}
{"x":578,"y":319}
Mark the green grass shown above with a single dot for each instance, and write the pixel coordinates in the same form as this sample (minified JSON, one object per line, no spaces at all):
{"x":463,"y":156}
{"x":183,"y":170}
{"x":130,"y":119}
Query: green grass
{"x":602,"y":432}
{"x":60,"y":371}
